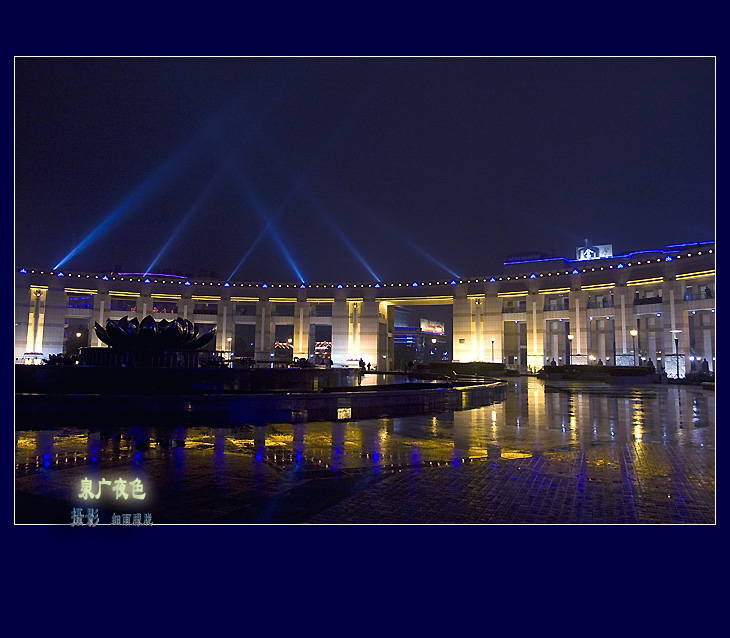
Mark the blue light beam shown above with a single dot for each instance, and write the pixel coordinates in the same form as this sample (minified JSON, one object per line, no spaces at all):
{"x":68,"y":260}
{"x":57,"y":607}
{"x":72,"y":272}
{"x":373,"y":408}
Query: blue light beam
{"x":338,"y":231}
{"x":140,"y":194}
{"x":335,"y":135}
{"x":268,"y":220}
{"x":200,"y":200}
{"x":394,"y":231}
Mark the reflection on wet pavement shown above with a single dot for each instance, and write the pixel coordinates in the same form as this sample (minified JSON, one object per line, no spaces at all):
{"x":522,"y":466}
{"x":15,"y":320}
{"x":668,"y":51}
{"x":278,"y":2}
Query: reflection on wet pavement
{"x":551,"y":452}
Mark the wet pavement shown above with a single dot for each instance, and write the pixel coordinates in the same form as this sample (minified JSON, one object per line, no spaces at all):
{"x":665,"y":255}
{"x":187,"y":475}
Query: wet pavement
{"x":551,"y":452}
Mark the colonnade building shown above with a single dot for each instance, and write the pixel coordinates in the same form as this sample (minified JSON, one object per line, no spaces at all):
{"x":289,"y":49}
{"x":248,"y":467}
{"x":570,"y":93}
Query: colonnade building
{"x":617,"y":310}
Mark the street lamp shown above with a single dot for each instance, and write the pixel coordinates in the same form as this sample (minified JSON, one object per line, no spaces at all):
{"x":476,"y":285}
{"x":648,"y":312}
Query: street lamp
{"x":676,"y":347}
{"x":492,"y":349}
{"x":570,"y":347}
{"x":634,"y":334}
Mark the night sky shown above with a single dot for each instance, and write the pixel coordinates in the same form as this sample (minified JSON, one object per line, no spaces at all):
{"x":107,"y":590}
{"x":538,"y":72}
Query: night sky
{"x":364,"y":168}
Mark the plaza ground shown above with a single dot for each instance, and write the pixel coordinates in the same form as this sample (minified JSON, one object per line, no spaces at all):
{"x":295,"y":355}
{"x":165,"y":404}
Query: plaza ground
{"x":548,"y":454}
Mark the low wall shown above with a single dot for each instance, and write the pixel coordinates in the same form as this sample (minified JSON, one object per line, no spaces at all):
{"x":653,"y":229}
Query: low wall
{"x":59,"y":410}
{"x":474,"y":368}
{"x":610,"y":374}
{"x":50,"y":379}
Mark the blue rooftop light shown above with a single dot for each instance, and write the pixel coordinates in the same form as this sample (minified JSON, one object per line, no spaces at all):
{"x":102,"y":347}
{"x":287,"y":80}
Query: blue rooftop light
{"x":620,"y":266}
{"x":105,"y":278}
{"x":668,"y":258}
{"x":226,"y":285}
{"x":575,"y":271}
{"x":302,"y":286}
{"x":264,"y":285}
{"x":339,"y":285}
{"x":147,"y":281}
{"x":414,"y":284}
{"x":60,"y":275}
{"x":377,"y":285}
{"x":533,"y":276}
{"x":696,"y":243}
{"x":187,"y":283}
{"x":23,"y":270}
{"x":453,"y":282}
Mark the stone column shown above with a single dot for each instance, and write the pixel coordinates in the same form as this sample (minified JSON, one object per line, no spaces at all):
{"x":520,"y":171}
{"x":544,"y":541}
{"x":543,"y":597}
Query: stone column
{"x":535,"y":332}
{"x":707,"y":351}
{"x":222,"y":334}
{"x":144,"y":303}
{"x":684,"y":337}
{"x":463,"y":339}
{"x":386,"y":349}
{"x":52,"y":321}
{"x":578,"y":324}
{"x":264,"y":342}
{"x":493,"y":328}
{"x":478,"y":332}
{"x":340,"y":331}
{"x":101,"y":301}
{"x":301,"y":330}
{"x":678,"y":320}
{"x":623,"y":318}
{"x":602,"y":348}
{"x":35,"y":318}
{"x":368,"y":332}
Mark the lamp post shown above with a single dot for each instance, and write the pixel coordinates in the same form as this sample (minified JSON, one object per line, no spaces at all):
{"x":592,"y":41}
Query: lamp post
{"x":676,"y":347}
{"x":492,"y":349}
{"x":634,"y":334}
{"x":570,"y":347}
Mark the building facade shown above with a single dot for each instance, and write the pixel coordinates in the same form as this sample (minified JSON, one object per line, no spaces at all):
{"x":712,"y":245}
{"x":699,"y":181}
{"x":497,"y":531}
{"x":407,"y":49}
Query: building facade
{"x":522,"y":317}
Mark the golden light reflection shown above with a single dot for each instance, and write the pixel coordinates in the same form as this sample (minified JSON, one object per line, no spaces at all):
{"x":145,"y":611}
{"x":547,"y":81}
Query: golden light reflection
{"x":279,"y":440}
{"x":477,"y":453}
{"x":25,"y":443}
{"x":241,"y":443}
{"x":602,"y":463}
{"x":536,"y":407}
{"x":637,"y":419}
{"x":353,"y":437}
{"x":515,"y":454}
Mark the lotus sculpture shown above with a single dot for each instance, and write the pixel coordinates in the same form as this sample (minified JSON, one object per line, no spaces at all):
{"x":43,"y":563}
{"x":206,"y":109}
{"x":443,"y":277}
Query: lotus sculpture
{"x":149,"y":335}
